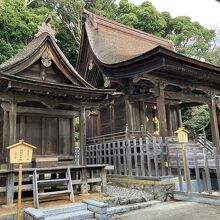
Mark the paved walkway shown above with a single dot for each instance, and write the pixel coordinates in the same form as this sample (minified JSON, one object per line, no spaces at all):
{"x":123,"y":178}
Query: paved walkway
{"x":175,"y":210}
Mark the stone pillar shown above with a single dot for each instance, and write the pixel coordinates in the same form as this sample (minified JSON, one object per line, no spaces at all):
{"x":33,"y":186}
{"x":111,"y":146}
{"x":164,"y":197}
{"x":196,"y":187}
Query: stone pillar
{"x":214,"y":123}
{"x":82,"y":159}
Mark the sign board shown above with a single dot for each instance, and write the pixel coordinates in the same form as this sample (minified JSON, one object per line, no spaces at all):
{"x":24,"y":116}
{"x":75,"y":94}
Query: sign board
{"x":21,"y":152}
{"x":182,"y":135}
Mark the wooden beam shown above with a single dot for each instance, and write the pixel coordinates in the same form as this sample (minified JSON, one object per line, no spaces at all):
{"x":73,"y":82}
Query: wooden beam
{"x":187,"y":97}
{"x":9,"y":96}
{"x":43,"y":111}
{"x":162,"y":111}
{"x":214,"y":123}
{"x":82,"y":136}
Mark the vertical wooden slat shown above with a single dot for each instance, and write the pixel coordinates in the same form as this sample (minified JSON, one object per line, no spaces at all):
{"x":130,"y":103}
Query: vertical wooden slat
{"x":105,"y":156}
{"x":142,"y":157}
{"x":188,"y":169}
{"x":155,"y":157}
{"x":129,"y":157}
{"x":119,"y":157}
{"x":162,"y":147}
{"x":197,"y":170}
{"x":124,"y":157}
{"x":135,"y":156}
{"x":114,"y":159}
{"x":148,"y":157}
{"x":217,"y":167}
{"x":179,"y":170}
{"x":208,"y":179}
{"x":168,"y":157}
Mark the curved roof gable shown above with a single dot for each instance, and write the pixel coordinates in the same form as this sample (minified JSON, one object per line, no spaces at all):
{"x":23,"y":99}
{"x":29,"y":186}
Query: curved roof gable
{"x":45,"y":49}
{"x":112,"y":42}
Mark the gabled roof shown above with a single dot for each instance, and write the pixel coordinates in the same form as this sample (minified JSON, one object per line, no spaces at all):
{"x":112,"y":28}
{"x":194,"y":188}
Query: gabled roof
{"x":44,"y":41}
{"x":112,"y":42}
{"x":111,"y":51}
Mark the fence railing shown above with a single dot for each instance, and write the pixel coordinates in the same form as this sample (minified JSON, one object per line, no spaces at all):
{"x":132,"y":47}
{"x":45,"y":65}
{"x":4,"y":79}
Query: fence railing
{"x":144,"y":157}
{"x":127,"y":134}
{"x":203,"y":170}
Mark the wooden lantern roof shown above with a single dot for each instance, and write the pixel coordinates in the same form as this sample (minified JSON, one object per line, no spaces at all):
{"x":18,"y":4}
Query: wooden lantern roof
{"x":109,"y":49}
{"x":42,"y":69}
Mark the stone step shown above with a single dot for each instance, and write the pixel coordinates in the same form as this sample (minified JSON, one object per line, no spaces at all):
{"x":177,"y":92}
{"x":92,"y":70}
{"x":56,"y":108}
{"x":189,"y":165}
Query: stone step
{"x":80,"y":215}
{"x":64,"y":209}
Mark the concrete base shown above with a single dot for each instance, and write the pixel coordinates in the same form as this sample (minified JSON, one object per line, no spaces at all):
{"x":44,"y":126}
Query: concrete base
{"x":198,"y":197}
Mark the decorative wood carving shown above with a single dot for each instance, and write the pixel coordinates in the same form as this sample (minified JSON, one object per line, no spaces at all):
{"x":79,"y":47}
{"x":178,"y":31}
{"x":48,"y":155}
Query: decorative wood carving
{"x":46,"y":59}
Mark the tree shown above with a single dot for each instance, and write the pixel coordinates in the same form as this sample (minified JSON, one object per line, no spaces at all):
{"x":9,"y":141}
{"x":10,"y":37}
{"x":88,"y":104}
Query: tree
{"x":195,"y":118}
{"x":190,"y":38}
{"x":17,"y":24}
{"x":71,"y":19}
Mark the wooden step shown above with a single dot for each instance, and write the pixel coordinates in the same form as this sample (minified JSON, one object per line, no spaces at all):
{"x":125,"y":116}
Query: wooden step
{"x":52,"y":180}
{"x":53,"y":193}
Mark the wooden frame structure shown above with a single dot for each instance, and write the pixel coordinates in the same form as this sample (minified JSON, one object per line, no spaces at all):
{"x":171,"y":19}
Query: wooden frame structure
{"x":154,"y":81}
{"x":41,"y":94}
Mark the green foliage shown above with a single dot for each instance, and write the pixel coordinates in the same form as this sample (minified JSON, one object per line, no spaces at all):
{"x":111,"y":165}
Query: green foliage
{"x":17,"y":24}
{"x":190,"y":38}
{"x":195,"y":118}
{"x":217,"y":55}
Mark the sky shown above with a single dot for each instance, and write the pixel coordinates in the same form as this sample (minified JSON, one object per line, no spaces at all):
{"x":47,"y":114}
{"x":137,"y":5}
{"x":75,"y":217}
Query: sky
{"x":206,"y":12}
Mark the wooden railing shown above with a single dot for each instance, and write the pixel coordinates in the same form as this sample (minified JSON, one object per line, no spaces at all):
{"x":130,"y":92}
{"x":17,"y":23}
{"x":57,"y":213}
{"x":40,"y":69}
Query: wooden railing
{"x":81,"y":176}
{"x":205,"y":143}
{"x":127,"y":134}
{"x":143,"y":157}
{"x":203,"y":171}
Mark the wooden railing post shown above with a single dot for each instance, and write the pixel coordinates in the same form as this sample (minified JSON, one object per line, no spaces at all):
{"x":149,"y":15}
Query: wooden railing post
{"x":84,"y":185}
{"x":104,"y":180}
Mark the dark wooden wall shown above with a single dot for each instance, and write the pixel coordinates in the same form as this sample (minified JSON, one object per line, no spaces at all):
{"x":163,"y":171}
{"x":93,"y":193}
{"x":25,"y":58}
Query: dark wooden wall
{"x":113,"y":118}
{"x":52,"y":135}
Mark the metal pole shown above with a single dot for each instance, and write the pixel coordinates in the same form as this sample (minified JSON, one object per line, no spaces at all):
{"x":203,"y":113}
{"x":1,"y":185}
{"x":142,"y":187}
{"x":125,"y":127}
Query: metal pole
{"x":184,"y":167}
{"x":19,"y":191}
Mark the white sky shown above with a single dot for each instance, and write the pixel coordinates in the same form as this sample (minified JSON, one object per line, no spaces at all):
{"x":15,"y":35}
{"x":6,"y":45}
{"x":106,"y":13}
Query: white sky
{"x":206,"y":12}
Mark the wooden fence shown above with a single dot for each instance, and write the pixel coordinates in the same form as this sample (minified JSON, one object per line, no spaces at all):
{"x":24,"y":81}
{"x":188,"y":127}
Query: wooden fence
{"x":203,"y":170}
{"x":144,"y":157}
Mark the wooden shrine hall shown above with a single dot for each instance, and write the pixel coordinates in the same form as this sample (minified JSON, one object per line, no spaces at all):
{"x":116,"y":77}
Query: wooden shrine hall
{"x":41,"y":94}
{"x":154,"y":81}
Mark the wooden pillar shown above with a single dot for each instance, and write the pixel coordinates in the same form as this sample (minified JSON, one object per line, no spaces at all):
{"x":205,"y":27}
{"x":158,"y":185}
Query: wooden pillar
{"x":5,"y":136}
{"x":179,"y":117}
{"x":129,"y":117}
{"x":214,"y":123}
{"x":169,"y":120}
{"x":82,"y":160}
{"x":74,"y":137}
{"x":162,"y":111}
{"x":112,"y":117}
{"x":12,"y":140}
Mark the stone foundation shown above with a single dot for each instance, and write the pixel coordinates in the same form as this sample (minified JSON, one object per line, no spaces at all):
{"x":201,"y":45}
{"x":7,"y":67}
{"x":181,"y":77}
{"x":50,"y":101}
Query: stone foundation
{"x":160,"y":189}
